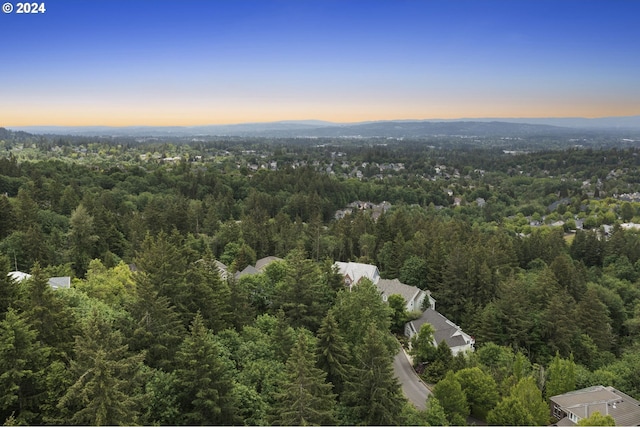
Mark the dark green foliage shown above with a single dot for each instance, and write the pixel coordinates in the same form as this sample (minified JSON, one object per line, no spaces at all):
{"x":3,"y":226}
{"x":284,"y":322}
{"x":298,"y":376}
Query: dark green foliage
{"x":47,"y":312}
{"x":360,"y":308}
{"x":372,"y":390}
{"x":305,"y":398}
{"x":107,"y":378}
{"x":204,"y":380}
{"x":303,"y":295}
{"x":333,"y":352}
{"x":521,"y":286}
{"x":157,"y":328}
{"x":23,"y":360}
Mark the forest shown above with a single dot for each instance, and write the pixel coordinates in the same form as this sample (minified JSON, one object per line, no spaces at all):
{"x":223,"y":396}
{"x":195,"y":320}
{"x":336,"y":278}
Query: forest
{"x":536,"y":254}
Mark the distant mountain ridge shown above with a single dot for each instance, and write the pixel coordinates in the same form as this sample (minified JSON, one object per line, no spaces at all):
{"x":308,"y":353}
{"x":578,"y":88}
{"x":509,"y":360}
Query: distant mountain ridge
{"x":392,"y":128}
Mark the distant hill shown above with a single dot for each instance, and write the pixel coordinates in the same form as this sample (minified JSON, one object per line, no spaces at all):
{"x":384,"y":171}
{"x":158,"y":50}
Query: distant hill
{"x":6,"y":134}
{"x":565,"y":127}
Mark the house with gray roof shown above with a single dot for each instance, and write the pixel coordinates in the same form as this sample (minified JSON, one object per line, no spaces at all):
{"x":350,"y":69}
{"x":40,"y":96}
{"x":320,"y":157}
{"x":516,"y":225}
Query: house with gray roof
{"x":413,"y":296}
{"x":261,"y":264}
{"x":569,"y":408}
{"x":63,"y":282}
{"x":354,"y":271}
{"x":444,"y":330}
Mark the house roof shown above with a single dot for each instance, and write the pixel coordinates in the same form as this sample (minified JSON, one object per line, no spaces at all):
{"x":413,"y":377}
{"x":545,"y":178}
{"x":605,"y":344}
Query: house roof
{"x":54,"y":282}
{"x":263,"y":262}
{"x":357,"y":271}
{"x":223,"y":270}
{"x":18,"y":276}
{"x":249,"y":269}
{"x":624,"y":409}
{"x":395,"y":287}
{"x":444,"y":329}
{"x":60,"y":282}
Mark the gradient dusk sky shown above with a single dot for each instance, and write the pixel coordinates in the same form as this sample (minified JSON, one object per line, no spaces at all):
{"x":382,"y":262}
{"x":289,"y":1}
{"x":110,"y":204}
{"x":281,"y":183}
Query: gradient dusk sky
{"x":135,"y":62}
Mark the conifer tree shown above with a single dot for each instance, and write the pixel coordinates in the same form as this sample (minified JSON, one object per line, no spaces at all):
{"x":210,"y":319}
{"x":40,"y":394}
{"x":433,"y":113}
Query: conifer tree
{"x":205,"y":383}
{"x":107,"y":378}
{"x":333,"y":352}
{"x":22,"y":367}
{"x":46,"y":311}
{"x":373,"y":391}
{"x":158,"y":329}
{"x":306,"y":397}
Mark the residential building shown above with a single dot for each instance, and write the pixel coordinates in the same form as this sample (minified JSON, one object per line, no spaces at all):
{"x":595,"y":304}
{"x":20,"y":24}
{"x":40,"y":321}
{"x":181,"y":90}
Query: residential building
{"x":54,"y":282}
{"x":354,"y":271}
{"x":569,"y":408}
{"x":444,"y":330}
{"x":413,"y":296}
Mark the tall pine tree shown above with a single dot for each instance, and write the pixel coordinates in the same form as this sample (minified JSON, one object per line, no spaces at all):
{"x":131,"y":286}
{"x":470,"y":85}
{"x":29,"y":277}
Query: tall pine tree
{"x":306,"y":397}
{"x":205,"y":386}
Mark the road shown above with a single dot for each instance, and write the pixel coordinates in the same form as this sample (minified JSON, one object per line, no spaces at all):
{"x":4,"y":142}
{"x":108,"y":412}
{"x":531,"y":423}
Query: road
{"x":412,"y":387}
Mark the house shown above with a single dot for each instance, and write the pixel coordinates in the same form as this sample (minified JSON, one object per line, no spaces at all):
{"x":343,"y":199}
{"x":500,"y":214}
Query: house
{"x":261,"y":264}
{"x":54,"y":282}
{"x":223,"y":270}
{"x":413,"y":296}
{"x":569,"y":408}
{"x":354,"y":271}
{"x":444,"y":330}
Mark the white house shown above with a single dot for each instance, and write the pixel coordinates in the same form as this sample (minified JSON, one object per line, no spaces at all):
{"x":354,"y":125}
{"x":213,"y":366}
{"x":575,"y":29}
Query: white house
{"x":444,"y":330}
{"x":354,"y":271}
{"x":54,"y":282}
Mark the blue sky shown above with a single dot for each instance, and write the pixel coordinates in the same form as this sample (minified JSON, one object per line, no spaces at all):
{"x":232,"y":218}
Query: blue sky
{"x":189,"y":62}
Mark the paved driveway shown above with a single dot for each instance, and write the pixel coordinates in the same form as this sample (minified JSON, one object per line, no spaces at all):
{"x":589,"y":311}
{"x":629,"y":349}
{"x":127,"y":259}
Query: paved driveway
{"x":412,"y":387}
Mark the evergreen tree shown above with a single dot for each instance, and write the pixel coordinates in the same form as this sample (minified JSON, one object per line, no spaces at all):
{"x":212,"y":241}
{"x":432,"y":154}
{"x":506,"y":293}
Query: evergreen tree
{"x":333,"y":352}
{"x":8,"y":288}
{"x":441,"y":364}
{"x":304,"y":295}
{"x":7,"y":217}
{"x":207,"y":293}
{"x":205,"y":383}
{"x":107,"y":379}
{"x":593,"y":319}
{"x":373,"y":391}
{"x":22,"y":369}
{"x":306,"y":397}
{"x":81,"y":238}
{"x":158,"y":329}
{"x":360,"y":308}
{"x":47,"y":312}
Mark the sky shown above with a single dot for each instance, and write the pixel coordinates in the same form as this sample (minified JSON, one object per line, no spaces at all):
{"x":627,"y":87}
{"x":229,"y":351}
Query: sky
{"x":197,"y":62}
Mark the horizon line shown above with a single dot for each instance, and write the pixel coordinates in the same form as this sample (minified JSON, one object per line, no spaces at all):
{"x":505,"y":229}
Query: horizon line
{"x":333,"y":122}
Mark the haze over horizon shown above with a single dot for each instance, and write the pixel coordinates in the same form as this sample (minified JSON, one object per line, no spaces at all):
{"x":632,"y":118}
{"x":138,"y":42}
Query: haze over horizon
{"x":195,"y":63}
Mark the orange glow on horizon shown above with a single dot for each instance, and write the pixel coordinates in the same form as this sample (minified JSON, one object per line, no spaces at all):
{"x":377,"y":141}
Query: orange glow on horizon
{"x":103,"y":116}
